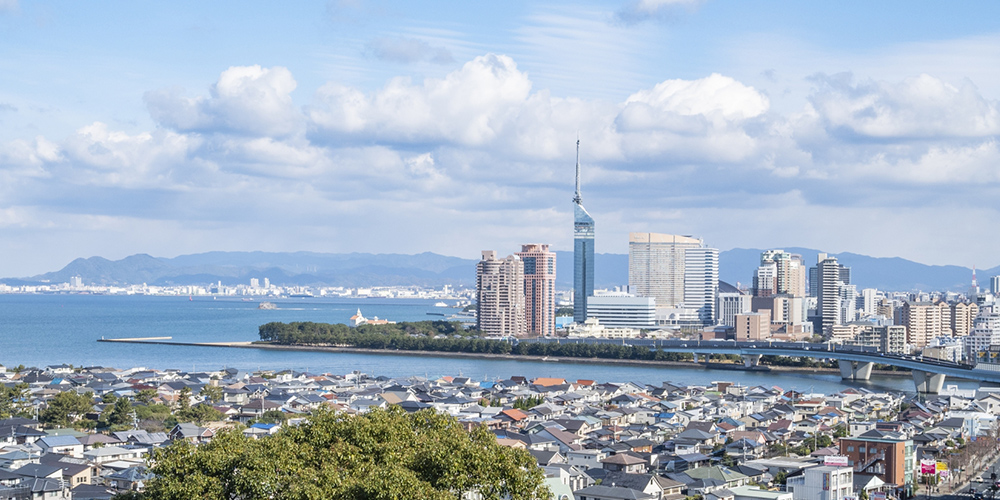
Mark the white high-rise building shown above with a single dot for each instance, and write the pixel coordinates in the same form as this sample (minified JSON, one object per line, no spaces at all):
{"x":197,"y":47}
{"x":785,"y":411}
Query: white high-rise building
{"x":848,"y":303}
{"x":828,"y":283}
{"x":656,"y":266}
{"x":869,"y":297}
{"x":622,"y":310}
{"x":701,"y":282}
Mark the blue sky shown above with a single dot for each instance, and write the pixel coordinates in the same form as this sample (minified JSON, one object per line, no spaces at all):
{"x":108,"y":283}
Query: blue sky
{"x":449,"y":127}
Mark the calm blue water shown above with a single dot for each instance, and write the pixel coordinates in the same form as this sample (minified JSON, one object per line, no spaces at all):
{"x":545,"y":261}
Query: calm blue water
{"x":40,"y":330}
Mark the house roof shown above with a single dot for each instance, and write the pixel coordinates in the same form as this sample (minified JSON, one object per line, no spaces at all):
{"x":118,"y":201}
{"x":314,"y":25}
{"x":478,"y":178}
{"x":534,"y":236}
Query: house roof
{"x":612,"y":492}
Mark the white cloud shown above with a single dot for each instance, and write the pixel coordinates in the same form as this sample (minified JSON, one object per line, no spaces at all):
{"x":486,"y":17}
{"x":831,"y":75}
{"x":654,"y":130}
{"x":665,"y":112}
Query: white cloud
{"x":918,"y":107}
{"x":246,"y":100}
{"x":468,"y":106}
{"x":425,"y":161}
{"x":96,"y":155}
{"x":713,"y":96}
{"x":30,"y":153}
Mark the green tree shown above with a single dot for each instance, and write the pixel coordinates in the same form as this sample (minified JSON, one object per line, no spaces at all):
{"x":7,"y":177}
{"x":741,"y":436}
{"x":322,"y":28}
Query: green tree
{"x":212,"y":392}
{"x":15,"y":401}
{"x":198,"y":413}
{"x":383,"y":454}
{"x":184,"y":398}
{"x":121,"y":413}
{"x":67,"y":407}
{"x":145,"y":396}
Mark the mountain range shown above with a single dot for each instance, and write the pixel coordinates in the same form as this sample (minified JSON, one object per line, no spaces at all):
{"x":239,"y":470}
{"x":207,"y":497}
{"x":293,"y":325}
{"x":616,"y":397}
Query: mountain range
{"x":434,"y":270}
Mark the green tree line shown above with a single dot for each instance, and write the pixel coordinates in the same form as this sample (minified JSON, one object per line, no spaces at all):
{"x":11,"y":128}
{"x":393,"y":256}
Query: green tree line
{"x":394,"y":337}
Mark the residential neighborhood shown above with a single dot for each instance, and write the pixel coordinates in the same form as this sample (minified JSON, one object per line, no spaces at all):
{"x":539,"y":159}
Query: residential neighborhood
{"x":594,"y":440}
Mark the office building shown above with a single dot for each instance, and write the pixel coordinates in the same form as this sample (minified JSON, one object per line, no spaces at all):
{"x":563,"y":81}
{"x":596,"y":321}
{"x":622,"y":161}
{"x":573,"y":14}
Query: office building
{"x":656,"y":266}
{"x":753,"y":326}
{"x":701,"y":282}
{"x":539,"y":289}
{"x":583,"y":251}
{"x":995,"y":285}
{"x":623,"y":310}
{"x":500,"y":308}
{"x":731,"y":304}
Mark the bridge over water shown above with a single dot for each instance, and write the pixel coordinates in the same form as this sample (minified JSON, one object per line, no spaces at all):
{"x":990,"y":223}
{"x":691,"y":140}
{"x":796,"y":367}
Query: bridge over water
{"x":855,"y":362}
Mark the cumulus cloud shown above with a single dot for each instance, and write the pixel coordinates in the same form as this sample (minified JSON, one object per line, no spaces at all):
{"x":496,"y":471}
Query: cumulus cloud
{"x":643,"y":10}
{"x":97,"y":155}
{"x":694,"y":119}
{"x":30,"y":153}
{"x":918,"y":107}
{"x":408,"y":50}
{"x":468,"y":106}
{"x":248,"y":100}
{"x":480,"y":143}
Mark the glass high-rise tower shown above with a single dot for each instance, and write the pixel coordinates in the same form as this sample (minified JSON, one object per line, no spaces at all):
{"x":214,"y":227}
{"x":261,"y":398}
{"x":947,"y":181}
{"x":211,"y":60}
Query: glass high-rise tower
{"x":583,"y":251}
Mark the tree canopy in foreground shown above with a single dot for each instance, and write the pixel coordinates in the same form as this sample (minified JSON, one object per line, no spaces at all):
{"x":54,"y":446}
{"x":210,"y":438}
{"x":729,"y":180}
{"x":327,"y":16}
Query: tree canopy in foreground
{"x":383,"y":454}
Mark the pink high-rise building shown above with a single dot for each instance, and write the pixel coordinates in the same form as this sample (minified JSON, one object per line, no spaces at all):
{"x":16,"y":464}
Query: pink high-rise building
{"x":539,"y":288}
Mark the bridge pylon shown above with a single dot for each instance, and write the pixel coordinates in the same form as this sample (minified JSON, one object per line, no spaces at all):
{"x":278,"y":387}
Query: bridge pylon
{"x":855,"y":370}
{"x":928,"y":382}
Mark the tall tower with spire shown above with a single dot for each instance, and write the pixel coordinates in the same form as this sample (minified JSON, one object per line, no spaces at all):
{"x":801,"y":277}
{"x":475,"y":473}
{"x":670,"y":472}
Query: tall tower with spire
{"x":583,"y":250}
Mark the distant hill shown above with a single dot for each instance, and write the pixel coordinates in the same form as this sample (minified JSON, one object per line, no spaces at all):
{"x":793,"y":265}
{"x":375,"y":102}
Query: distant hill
{"x":285,"y":268}
{"x":433,"y":270}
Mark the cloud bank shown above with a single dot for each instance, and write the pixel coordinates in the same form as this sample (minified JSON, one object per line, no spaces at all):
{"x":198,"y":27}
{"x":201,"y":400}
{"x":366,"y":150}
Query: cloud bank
{"x":479,"y":157}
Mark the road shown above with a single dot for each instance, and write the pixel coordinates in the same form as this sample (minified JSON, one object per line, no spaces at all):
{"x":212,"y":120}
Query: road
{"x":990,"y":474}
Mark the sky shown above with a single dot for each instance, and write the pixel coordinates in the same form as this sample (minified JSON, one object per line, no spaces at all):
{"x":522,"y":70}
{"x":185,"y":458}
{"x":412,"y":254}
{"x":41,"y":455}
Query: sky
{"x":450,"y":127}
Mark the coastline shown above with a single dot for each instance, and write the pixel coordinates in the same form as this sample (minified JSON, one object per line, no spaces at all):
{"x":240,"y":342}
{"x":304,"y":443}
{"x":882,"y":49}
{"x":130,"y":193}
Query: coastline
{"x":468,"y":355}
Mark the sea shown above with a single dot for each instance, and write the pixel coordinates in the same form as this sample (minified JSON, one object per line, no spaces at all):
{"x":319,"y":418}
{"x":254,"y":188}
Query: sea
{"x":43,"y":330}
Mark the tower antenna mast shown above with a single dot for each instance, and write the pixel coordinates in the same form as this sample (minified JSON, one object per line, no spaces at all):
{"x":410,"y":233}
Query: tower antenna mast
{"x":577,"y":199}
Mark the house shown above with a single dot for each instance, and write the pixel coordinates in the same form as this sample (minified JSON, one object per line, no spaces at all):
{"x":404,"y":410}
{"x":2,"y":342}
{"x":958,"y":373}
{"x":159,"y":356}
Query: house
{"x":191,"y":432}
{"x":625,"y":462}
{"x":131,"y":479}
{"x":75,"y":471}
{"x":115,"y":453}
{"x":586,"y":458}
{"x":66,"y":445}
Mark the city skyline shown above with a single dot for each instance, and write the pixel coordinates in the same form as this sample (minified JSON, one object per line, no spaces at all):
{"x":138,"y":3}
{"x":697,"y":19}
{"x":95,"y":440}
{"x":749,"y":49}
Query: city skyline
{"x":393,"y":128}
